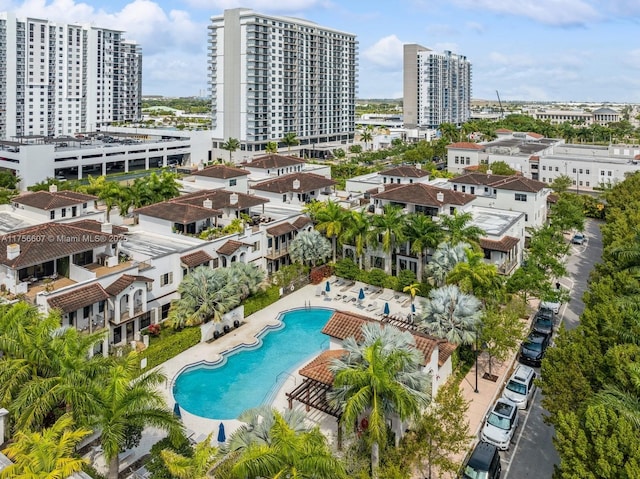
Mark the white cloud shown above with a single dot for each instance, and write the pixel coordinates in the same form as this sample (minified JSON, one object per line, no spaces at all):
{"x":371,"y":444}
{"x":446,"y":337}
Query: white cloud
{"x":551,"y":12}
{"x":386,"y":53}
{"x":258,"y":5}
{"x":475,"y":27}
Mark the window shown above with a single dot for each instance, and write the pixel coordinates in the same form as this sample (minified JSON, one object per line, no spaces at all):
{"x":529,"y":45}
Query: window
{"x":521,"y":197}
{"x":166,"y":279}
{"x":464,"y":189}
{"x":256,"y":246}
{"x":52,"y":214}
{"x":86,"y":311}
{"x":63,"y":212}
{"x":164,"y":310}
{"x":586,"y":171}
{"x":557,"y":168}
{"x":544,"y":168}
{"x":608,"y":173}
{"x":233,"y":182}
{"x":574,"y":170}
{"x":526,"y":217}
{"x":580,"y":170}
{"x":587,"y":183}
{"x":472,"y":189}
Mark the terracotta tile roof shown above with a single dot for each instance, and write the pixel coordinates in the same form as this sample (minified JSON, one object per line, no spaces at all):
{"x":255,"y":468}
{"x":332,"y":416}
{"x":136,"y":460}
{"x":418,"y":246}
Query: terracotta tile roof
{"x":78,"y":298}
{"x":343,"y":325}
{"x":405,"y":172}
{"x":284,"y":184}
{"x":45,"y":200}
{"x":505,"y":245}
{"x":220,"y":199}
{"x":50,"y":241}
{"x":504,"y":182}
{"x":222,"y":172}
{"x":534,"y":158}
{"x":318,"y":369}
{"x":424,"y":195}
{"x":553,"y":198}
{"x":537,"y":136}
{"x":177,"y":212}
{"x":281,"y":229}
{"x":196,"y":258}
{"x":96,"y":226}
{"x":123,"y":282}
{"x":273,"y":161}
{"x":503,"y":130}
{"x":465,"y":145}
{"x":385,"y":187}
{"x":301,"y":222}
{"x":445,"y":350}
{"x":230,"y":247}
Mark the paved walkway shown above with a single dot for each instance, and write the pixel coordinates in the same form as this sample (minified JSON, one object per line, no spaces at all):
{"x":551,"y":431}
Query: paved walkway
{"x":313,"y":296}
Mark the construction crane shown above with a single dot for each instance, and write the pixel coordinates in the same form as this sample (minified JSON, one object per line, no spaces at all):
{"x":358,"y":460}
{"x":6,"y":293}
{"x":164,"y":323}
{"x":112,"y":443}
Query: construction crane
{"x":500,"y":103}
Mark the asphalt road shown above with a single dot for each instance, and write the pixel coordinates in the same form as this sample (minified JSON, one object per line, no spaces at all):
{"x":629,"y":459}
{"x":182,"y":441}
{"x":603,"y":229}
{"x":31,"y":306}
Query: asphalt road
{"x":532,"y":454}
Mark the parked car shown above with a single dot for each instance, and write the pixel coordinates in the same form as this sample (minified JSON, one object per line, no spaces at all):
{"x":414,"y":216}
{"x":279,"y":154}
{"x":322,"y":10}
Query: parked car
{"x":578,"y":238}
{"x":501,"y":424}
{"x":533,"y":348}
{"x":552,"y":305}
{"x":484,"y":463}
{"x":521,"y":386}
{"x":543,"y":323}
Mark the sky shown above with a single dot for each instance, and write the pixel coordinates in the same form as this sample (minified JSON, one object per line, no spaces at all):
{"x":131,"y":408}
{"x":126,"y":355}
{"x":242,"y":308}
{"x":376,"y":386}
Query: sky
{"x":533,"y":50}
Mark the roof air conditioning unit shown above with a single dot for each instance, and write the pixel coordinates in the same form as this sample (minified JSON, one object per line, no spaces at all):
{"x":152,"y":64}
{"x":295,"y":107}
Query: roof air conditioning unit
{"x":440,"y":197}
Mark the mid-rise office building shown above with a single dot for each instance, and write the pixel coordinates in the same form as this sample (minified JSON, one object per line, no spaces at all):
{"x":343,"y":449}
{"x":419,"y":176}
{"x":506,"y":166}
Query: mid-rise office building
{"x":61,"y":79}
{"x":270,"y":76}
{"x":437,"y":87}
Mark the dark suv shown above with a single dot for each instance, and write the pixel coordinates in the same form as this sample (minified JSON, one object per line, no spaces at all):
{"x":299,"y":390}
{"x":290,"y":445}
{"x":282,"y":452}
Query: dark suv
{"x":484,"y":462}
{"x":533,"y":348}
{"x":543,"y":321}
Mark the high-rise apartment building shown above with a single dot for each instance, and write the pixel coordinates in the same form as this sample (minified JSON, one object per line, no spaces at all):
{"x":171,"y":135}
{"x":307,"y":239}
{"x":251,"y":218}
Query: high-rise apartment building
{"x":270,"y":76}
{"x":60,"y":79}
{"x":437,"y":88}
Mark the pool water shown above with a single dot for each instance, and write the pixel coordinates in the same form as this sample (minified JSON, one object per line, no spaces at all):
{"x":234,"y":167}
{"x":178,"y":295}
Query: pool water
{"x":248,"y":375}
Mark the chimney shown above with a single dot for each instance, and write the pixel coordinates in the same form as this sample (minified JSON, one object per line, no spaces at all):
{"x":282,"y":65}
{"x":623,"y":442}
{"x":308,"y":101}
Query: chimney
{"x":440,"y":196}
{"x":489,"y":172}
{"x":53,"y":188}
{"x":296,"y":184}
{"x":207,"y":204}
{"x":233,"y":199}
{"x":13,"y":251}
{"x":418,"y":166}
{"x":200,"y":166}
{"x":106,"y":228}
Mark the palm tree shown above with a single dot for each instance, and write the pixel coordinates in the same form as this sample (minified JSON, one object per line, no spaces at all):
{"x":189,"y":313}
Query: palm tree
{"x":377,"y":378}
{"x":451,"y":314}
{"x":458,"y":230}
{"x":290,"y":139}
{"x":290,"y":454}
{"x":310,"y":247}
{"x":444,"y":259}
{"x":128,"y":401}
{"x":331,"y":222}
{"x":474,"y":276}
{"x":422,"y":233}
{"x":390,"y":227}
{"x":366,"y":137}
{"x":205,"y":295}
{"x":45,"y":454}
{"x":231,"y":145}
{"x":449,"y":131}
{"x":197,"y":466}
{"x":110,"y":195}
{"x":271,"y":148}
{"x":412,"y":289}
{"x":625,"y":402}
{"x":246,"y":279}
{"x":358,"y":232}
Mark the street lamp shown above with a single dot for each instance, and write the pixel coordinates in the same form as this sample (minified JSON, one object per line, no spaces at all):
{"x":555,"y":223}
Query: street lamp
{"x":476,"y":389}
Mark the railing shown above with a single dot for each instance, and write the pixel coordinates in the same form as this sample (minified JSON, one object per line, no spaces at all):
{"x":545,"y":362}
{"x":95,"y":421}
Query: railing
{"x":507,"y":267}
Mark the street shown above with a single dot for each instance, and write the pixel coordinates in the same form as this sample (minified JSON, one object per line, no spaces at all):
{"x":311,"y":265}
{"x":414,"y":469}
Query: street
{"x":532,"y":454}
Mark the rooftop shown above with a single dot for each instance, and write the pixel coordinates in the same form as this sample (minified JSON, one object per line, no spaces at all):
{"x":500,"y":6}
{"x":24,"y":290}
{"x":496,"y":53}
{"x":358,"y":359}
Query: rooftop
{"x":45,"y":200}
{"x":221,"y":171}
{"x":493,"y":221}
{"x":295,"y":182}
{"x":273,"y":161}
{"x":424,"y":195}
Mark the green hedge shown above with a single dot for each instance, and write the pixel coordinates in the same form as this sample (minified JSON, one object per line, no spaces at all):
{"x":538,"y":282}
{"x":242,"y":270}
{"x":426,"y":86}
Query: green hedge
{"x":169,"y":344}
{"x":261,"y":300}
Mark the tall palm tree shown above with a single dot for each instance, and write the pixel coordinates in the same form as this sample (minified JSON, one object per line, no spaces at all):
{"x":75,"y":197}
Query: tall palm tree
{"x":330,"y":221}
{"x":246,"y":279}
{"x":358,"y":232}
{"x":390,"y":227}
{"x":110,"y":195}
{"x":290,"y":139}
{"x":45,"y":454}
{"x":127,"y":400}
{"x":625,"y":402}
{"x":197,"y":466}
{"x":231,"y":145}
{"x":379,"y":377}
{"x":290,"y":454}
{"x":450,"y":132}
{"x":412,"y":289}
{"x":444,"y":259}
{"x":451,"y":314}
{"x":458,"y":229}
{"x":366,"y":137}
{"x":475,"y":276}
{"x":271,"y":148}
{"x":310,"y":248}
{"x":422,"y":233}
{"x":205,"y":294}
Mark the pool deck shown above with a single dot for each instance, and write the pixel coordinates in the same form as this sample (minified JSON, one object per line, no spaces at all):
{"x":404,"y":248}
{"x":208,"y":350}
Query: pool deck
{"x":308,"y":296}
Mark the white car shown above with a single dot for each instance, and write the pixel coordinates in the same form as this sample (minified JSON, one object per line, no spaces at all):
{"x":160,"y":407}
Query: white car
{"x":521,"y":386}
{"x":552,"y":305}
{"x":501,"y":424}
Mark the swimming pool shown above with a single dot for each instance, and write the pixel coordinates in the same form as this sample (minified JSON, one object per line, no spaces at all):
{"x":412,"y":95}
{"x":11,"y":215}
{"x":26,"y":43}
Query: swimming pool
{"x":246,"y":376}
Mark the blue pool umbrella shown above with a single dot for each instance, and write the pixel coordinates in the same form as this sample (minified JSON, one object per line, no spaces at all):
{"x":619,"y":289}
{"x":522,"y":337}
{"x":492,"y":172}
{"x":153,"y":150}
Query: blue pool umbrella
{"x":327,"y":287}
{"x":176,"y":411}
{"x":222,"y":437}
{"x":413,"y":308}
{"x":361,"y":295}
{"x":386,"y":309}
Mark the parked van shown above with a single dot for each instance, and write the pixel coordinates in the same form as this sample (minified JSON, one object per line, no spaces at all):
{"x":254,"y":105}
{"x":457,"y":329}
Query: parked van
{"x":521,"y":386}
{"x":484,"y":463}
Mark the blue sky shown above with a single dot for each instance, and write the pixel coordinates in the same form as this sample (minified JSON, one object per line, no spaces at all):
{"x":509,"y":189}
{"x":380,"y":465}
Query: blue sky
{"x":551,"y":50}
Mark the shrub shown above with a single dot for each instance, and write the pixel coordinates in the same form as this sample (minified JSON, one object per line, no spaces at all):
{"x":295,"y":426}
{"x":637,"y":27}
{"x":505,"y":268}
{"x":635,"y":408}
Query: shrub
{"x":405,"y":278}
{"x":319,"y":273}
{"x":346,"y":268}
{"x":170,"y":343}
{"x":261,"y":300}
{"x":155,"y":465}
{"x":154,"y":329}
{"x":288,"y":274}
{"x":376,"y":277}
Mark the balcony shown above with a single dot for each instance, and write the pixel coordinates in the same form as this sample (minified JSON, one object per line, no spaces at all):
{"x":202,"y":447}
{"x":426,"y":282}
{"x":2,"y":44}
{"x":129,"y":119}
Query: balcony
{"x":275,"y":253}
{"x":507,"y":267}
